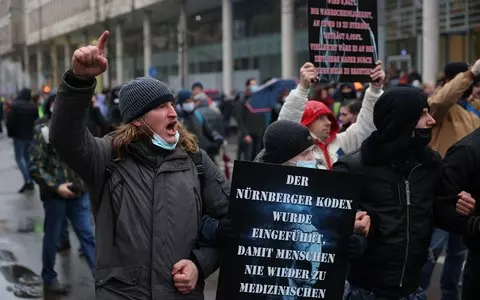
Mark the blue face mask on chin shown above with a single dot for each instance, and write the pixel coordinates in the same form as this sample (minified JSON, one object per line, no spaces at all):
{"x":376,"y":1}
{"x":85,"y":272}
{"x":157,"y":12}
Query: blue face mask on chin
{"x":312,"y":164}
{"x":160,"y":142}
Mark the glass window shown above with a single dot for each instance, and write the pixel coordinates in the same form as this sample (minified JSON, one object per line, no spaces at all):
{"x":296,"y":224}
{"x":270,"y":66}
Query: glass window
{"x":256,"y":62}
{"x":457,"y":47}
{"x":239,"y":29}
{"x":258,"y":16}
{"x":475,"y":45}
{"x":205,"y":27}
{"x":164,"y":36}
{"x":241,"y":64}
{"x":301,"y":14}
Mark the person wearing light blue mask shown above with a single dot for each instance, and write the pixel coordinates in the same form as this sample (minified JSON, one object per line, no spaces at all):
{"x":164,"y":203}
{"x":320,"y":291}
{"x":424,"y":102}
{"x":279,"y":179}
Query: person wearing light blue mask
{"x":291,"y":144}
{"x":160,"y":142}
{"x":209,"y":139}
{"x":147,"y":180}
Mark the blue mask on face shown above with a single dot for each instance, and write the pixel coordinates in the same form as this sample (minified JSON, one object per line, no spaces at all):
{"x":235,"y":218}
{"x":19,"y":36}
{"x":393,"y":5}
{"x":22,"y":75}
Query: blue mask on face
{"x":312,"y":164}
{"x":160,"y":142}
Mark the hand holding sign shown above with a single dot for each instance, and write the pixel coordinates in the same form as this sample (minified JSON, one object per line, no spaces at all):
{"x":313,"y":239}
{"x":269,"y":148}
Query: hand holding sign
{"x":378,"y":75}
{"x":308,"y":74}
{"x":89,"y":62}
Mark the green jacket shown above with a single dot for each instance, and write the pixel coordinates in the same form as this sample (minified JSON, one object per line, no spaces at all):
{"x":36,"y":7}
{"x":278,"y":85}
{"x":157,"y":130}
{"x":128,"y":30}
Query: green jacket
{"x":46,"y":167}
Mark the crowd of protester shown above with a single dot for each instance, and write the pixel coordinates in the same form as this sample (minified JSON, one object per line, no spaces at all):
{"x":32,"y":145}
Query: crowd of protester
{"x":126,"y":156}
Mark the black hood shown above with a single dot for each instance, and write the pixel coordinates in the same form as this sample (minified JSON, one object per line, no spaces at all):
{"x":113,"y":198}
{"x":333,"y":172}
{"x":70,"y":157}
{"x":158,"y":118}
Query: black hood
{"x":454,"y":68}
{"x":25,"y":94}
{"x":395,"y":116}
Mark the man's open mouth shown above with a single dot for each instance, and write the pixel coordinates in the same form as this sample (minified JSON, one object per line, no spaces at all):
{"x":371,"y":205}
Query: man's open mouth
{"x":172,"y":128}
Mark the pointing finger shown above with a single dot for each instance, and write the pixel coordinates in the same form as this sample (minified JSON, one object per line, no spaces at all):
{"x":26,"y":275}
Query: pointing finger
{"x":79,"y":56}
{"x":102,"y":41}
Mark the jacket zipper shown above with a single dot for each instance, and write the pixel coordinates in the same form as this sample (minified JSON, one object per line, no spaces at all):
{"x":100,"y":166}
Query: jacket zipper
{"x":153,"y":225}
{"x":407,"y":194}
{"x":199,"y":207}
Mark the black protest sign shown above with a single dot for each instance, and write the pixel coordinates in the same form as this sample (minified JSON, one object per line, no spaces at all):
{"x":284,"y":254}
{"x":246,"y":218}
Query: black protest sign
{"x":293,"y":224}
{"x":342,"y":39}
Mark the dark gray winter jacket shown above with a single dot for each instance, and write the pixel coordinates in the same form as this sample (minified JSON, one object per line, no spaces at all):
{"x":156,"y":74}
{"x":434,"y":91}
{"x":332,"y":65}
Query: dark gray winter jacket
{"x":149,"y":214}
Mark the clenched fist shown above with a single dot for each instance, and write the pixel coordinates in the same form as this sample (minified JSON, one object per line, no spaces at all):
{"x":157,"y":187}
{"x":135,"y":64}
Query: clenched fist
{"x":89,"y":62}
{"x":362,"y":223}
{"x":308,"y":74}
{"x":185,"y":276}
{"x":466,"y":204}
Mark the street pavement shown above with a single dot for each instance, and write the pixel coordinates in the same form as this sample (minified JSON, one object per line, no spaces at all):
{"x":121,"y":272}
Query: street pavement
{"x":21,"y":232}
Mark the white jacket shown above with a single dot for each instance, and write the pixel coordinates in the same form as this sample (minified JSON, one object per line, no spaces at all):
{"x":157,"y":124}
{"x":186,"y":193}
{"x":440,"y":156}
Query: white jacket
{"x":345,"y":142}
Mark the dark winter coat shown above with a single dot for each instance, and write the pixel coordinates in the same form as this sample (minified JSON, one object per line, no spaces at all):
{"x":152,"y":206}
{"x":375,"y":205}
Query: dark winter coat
{"x":398,"y":192}
{"x":401,"y":209}
{"x":22,"y":116}
{"x":148,"y":216}
{"x":461,"y":173}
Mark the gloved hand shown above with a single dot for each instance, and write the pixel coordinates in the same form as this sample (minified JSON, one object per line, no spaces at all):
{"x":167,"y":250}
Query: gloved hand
{"x":356,"y":246}
{"x":225,"y":232}
{"x":476,"y":68}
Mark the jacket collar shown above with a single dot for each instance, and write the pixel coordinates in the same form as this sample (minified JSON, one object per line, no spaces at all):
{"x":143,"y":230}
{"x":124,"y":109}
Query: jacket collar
{"x":375,"y":153}
{"x":146,"y":153}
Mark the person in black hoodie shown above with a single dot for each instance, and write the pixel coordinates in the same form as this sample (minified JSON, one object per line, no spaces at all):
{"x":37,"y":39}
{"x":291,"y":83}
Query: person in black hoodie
{"x":20,"y":124}
{"x":400,"y":173}
{"x":455,"y":208}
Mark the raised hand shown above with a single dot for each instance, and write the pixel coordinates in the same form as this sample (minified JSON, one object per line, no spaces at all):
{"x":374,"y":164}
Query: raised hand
{"x":378,"y":75}
{"x":89,"y":62}
{"x":308,"y":74}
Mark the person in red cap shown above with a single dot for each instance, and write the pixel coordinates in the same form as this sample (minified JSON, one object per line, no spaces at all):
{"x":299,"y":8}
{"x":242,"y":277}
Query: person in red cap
{"x":323,"y":126}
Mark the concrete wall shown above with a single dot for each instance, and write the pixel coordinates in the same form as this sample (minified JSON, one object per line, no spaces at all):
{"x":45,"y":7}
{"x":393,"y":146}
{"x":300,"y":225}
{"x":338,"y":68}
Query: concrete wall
{"x":57,"y":17}
{"x":5,"y":35}
{"x":114,"y":8}
{"x":11,"y":25}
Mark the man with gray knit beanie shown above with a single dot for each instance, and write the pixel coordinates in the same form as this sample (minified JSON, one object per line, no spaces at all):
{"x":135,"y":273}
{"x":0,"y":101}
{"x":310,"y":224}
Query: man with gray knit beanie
{"x":141,"y":95}
{"x":150,"y":186}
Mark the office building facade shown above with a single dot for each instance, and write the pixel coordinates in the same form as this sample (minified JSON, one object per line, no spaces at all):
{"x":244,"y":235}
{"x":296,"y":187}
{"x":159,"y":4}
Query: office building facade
{"x":218,"y":42}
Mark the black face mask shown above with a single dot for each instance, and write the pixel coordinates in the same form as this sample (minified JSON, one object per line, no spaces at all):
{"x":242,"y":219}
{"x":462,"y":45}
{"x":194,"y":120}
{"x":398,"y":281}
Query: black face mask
{"x":421,"y":137}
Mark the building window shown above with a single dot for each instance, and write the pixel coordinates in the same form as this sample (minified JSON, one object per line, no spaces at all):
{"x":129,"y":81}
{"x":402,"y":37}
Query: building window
{"x":205,"y":27}
{"x":241,"y":64}
{"x":301,"y":14}
{"x":259,"y":16}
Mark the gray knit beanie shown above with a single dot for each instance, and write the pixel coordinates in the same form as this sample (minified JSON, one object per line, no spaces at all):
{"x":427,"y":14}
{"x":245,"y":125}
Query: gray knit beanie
{"x":141,"y":95}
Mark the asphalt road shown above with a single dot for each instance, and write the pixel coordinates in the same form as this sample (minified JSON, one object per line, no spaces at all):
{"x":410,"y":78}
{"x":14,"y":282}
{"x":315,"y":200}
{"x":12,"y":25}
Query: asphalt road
{"x":21,"y":218}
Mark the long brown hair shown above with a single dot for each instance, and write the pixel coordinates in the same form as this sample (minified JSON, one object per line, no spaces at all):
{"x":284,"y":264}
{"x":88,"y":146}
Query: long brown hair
{"x":128,"y":133}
